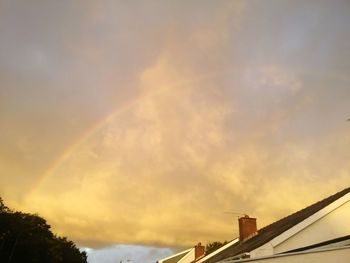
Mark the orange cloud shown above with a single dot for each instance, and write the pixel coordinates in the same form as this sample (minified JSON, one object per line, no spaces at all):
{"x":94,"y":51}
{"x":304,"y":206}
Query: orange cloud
{"x":205,"y":116}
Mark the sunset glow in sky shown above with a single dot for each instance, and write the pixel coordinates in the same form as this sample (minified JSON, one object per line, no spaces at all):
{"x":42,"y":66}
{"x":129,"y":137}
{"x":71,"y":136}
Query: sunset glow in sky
{"x":138,"y":124}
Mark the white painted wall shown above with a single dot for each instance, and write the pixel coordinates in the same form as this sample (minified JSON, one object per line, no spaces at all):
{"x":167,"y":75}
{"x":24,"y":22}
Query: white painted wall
{"x":173,"y":258}
{"x":339,"y":255}
{"x":189,"y":257}
{"x":265,"y":250}
{"x":333,"y":225}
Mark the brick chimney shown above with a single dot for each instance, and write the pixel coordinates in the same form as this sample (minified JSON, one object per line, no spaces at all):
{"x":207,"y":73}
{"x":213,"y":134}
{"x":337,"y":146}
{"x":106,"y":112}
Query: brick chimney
{"x":247,"y":227}
{"x":198,"y":250}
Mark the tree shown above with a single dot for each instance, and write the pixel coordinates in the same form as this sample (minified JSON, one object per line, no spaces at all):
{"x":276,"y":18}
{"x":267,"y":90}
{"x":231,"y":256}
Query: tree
{"x":3,"y":207}
{"x":27,"y":238}
{"x":212,"y":246}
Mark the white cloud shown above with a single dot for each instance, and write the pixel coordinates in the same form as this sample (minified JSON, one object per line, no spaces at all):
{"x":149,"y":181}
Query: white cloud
{"x":127,"y":253}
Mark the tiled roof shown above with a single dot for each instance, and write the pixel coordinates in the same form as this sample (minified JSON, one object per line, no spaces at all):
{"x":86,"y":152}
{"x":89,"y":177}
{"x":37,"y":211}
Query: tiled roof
{"x":269,"y":232}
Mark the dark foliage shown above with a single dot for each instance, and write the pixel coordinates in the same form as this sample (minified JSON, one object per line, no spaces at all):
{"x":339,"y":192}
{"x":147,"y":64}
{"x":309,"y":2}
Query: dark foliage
{"x":211,"y":247}
{"x":28,"y":238}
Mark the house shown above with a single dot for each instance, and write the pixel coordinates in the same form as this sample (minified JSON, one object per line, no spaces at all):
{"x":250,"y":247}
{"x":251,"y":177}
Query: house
{"x":336,"y":250}
{"x":316,"y":224}
{"x":186,"y":256}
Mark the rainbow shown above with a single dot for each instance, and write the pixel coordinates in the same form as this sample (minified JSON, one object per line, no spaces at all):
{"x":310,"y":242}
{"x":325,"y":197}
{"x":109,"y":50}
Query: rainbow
{"x":67,"y":152}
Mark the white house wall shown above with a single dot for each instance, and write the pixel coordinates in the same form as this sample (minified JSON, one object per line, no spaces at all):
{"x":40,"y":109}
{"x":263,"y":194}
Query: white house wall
{"x":174,"y":258}
{"x":339,"y":255}
{"x":265,"y":250}
{"x":331,"y":226}
{"x":189,"y":257}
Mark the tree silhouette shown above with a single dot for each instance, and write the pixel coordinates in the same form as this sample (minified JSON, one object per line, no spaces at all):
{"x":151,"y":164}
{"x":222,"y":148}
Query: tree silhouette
{"x":211,"y":247}
{"x":27,"y":238}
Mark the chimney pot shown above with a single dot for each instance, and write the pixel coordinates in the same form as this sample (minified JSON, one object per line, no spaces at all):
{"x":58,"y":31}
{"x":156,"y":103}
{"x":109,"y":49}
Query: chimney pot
{"x":198,"y":250}
{"x":247,"y":227}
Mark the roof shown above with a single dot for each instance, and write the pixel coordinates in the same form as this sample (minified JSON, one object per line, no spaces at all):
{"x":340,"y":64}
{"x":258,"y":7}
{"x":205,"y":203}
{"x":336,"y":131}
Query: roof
{"x":175,"y":258}
{"x":217,"y":251}
{"x":269,"y":232}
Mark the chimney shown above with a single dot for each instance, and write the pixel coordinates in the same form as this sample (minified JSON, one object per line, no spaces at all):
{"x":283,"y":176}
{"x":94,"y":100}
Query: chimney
{"x":247,"y":227}
{"x":198,"y":250}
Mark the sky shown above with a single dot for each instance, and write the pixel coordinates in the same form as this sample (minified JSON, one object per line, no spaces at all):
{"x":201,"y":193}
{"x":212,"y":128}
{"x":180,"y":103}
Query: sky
{"x":133,"y":127}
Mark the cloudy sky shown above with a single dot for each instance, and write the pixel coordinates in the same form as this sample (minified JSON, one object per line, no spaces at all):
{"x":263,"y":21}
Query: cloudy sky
{"x":133,"y":126}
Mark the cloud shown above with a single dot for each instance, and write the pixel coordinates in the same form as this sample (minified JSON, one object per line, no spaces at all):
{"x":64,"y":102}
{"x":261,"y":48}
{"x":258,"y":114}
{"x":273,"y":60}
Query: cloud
{"x":126,"y":253}
{"x":164,"y":116}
